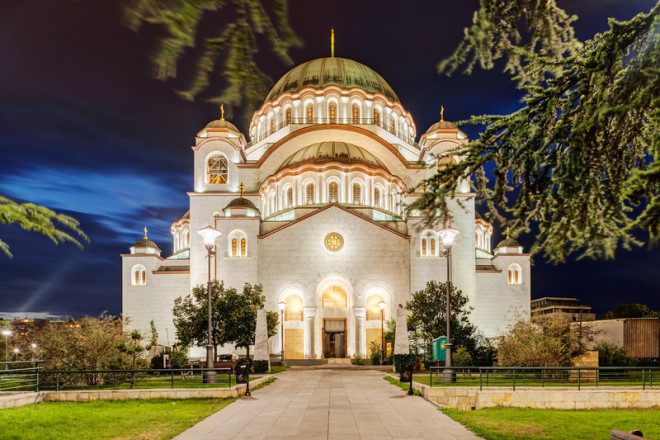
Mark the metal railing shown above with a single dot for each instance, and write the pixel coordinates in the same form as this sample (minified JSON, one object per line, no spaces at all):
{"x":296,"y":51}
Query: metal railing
{"x":579,"y":377}
{"x":339,"y":121}
{"x":19,"y":375}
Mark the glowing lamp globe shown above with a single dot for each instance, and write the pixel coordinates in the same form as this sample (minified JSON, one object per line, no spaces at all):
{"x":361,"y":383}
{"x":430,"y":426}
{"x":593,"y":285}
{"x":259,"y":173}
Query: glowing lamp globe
{"x":281,"y":306}
{"x":6,"y":333}
{"x":209,"y":235}
{"x":381,"y":305}
{"x":448,"y":235}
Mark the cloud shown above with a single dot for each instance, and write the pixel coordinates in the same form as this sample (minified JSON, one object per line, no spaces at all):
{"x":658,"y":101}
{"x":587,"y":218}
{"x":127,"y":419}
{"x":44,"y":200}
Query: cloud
{"x":120,"y":200}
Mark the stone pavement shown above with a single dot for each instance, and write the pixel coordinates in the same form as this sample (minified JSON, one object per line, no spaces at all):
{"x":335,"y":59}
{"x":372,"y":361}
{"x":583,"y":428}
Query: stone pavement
{"x":329,"y":404}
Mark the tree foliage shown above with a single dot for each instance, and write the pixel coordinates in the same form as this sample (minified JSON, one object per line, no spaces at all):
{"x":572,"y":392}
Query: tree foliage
{"x":547,"y":37}
{"x":632,"y":311}
{"x":228,"y":49}
{"x":579,"y":160}
{"x":611,"y":355}
{"x":428,"y":316}
{"x":39,"y":219}
{"x":234,"y":315}
{"x":550,"y":342}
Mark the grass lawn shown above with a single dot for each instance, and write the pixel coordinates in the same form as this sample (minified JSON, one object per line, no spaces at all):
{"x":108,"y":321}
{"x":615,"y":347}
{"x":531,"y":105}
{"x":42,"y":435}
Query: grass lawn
{"x":551,"y":424}
{"x":403,"y":385}
{"x":129,"y":419}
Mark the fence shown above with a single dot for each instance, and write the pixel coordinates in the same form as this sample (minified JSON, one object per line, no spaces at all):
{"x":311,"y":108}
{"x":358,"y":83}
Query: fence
{"x":547,"y":376}
{"x":19,"y":376}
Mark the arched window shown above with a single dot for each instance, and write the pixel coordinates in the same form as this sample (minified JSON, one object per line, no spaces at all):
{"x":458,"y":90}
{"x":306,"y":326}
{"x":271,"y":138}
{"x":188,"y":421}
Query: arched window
{"x":309,"y":113}
{"x":393,"y":124}
{"x":334,"y":296}
{"x":139,"y":275}
{"x":287,"y":115}
{"x":273,"y":205}
{"x":216,"y":169}
{"x":357,"y":194}
{"x":176,"y":242}
{"x":309,"y":194}
{"x":332,"y":112}
{"x":333,"y":192}
{"x":237,"y":244}
{"x":373,"y":309}
{"x":355,"y":113}
{"x":289,"y":197}
{"x":293,"y":310}
{"x":272,"y":125}
{"x":377,"y":198}
{"x":514,"y":274}
{"x":186,"y":239}
{"x":376,"y":117}
{"x":428,"y":244}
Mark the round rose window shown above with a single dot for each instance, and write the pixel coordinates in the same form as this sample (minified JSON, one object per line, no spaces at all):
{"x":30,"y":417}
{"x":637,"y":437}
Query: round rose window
{"x":334,"y":241}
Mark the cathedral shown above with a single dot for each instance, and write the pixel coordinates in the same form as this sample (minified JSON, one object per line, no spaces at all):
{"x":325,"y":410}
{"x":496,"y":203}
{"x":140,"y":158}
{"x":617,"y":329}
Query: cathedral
{"x":312,"y":206}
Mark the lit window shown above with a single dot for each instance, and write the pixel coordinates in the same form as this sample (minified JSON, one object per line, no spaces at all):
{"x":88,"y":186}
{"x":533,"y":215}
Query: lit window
{"x":357,"y":194}
{"x":333,"y":193}
{"x":355,"y":113}
{"x":335,"y":296}
{"x":393,"y":125}
{"x":309,"y":194}
{"x":428,"y":244}
{"x":376,"y":117}
{"x":139,"y":275}
{"x":287,"y":116}
{"x":293,"y":310}
{"x":377,"y":197}
{"x":309,"y":114}
{"x":272,"y":125}
{"x":238,"y":244}
{"x":216,"y":169}
{"x":514,"y":274}
{"x":332,"y":112}
{"x":289,"y":197}
{"x":373,"y":309}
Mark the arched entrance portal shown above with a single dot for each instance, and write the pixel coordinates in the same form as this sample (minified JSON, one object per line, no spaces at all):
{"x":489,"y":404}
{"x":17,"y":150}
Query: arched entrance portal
{"x":335,"y":313}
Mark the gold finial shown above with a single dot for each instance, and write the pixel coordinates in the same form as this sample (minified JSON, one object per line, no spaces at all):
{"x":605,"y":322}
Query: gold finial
{"x":241,"y":187}
{"x":145,"y":232}
{"x":332,"y":42}
{"x":508,"y":233}
{"x":222,"y":112}
{"x":442,"y":113}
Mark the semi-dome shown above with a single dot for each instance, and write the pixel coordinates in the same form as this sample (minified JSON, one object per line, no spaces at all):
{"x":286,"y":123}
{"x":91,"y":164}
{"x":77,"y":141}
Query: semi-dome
{"x":325,"y":152}
{"x":331,"y":71}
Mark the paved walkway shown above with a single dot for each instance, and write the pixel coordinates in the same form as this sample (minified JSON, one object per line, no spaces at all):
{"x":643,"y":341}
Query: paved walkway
{"x":329,"y":404}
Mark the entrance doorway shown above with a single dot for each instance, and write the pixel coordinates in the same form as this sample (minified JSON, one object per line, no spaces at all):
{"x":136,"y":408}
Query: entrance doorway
{"x":334,"y":338}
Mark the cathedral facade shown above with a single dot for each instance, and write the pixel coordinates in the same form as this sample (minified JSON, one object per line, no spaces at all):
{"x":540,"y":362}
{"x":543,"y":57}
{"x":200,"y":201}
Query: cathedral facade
{"x":313,"y":208}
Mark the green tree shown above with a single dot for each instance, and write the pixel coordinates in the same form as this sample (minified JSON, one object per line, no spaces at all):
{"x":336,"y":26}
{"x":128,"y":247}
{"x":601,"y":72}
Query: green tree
{"x":229,"y":43}
{"x":631,"y":311}
{"x":578,"y":160}
{"x":462,"y":358}
{"x":428,"y":316}
{"x":39,"y":219}
{"x":610,"y":355}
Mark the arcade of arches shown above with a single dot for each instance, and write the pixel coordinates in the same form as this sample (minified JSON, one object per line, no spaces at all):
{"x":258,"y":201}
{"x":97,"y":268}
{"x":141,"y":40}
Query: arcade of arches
{"x":337,"y":327}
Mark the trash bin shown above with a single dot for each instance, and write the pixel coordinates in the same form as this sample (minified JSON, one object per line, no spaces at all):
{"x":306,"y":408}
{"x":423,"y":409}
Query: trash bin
{"x":242,"y":372}
{"x":405,"y":374}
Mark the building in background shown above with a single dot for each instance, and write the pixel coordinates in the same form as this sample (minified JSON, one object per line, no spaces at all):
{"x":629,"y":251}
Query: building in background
{"x":639,"y":337}
{"x":312,"y":207}
{"x":569,"y":308}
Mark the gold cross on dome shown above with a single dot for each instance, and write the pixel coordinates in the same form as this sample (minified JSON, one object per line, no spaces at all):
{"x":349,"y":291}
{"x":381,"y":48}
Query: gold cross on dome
{"x":222,"y":112}
{"x":145,"y":232}
{"x":241,"y":187}
{"x":442,"y":113}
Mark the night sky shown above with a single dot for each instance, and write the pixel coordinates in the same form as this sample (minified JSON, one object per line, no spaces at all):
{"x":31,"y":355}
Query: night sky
{"x":86,"y":130}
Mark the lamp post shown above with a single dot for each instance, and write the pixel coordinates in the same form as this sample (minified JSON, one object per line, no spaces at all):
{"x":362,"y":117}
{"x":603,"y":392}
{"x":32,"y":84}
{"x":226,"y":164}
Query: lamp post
{"x":448,"y":235}
{"x":6,"y":334}
{"x":16,"y":352}
{"x":381,"y":306}
{"x":209,"y":235}
{"x":282,"y":306}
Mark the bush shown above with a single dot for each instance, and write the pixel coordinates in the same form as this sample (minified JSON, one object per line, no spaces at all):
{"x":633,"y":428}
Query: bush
{"x":356,"y":360}
{"x":610,"y":355}
{"x":461,"y":358}
{"x":179,"y":359}
{"x":403,"y":361}
{"x":374,"y":350}
{"x":260,"y":366}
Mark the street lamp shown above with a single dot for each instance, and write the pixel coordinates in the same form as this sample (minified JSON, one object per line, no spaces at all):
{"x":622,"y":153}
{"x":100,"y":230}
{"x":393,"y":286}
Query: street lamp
{"x":209,"y":235}
{"x":282,"y":306}
{"x":6,"y":334}
{"x":381,"y":306}
{"x":16,"y":351}
{"x":448,"y":235}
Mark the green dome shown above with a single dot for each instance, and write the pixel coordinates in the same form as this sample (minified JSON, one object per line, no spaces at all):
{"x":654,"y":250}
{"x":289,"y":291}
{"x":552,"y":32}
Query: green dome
{"x":325,"y":152}
{"x":340,"y":72}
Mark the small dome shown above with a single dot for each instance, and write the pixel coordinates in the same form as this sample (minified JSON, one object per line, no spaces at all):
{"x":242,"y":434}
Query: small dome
{"x":325,"y":152}
{"x":442,"y":125}
{"x":240,"y":202}
{"x":340,"y":72}
{"x":508,"y":242}
{"x":146,"y":243}
{"x":218,"y":124}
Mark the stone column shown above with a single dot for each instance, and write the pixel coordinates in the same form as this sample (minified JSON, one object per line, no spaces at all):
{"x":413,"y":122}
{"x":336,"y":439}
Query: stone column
{"x":401,"y":342}
{"x":308,"y":341}
{"x":261,"y":352}
{"x":361,"y":349}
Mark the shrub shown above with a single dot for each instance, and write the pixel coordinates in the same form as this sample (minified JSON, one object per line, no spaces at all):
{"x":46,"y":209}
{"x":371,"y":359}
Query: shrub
{"x":374,"y":350}
{"x":610,"y":355}
{"x":179,"y":359}
{"x":356,"y":360}
{"x":403,"y":361}
{"x":462,"y":358}
{"x":260,"y":366}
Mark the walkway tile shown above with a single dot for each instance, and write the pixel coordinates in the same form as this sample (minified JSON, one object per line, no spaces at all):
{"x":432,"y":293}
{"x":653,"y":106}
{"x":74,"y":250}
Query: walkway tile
{"x":329,"y":404}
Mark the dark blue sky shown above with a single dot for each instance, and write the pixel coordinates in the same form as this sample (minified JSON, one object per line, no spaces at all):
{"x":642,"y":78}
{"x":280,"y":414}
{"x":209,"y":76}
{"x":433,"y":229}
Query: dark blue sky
{"x":85,"y":130}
